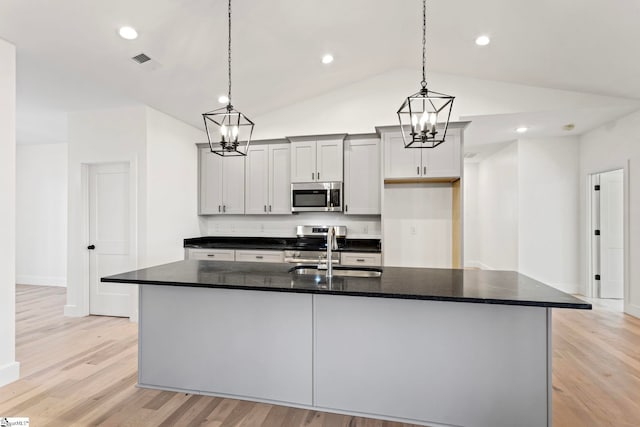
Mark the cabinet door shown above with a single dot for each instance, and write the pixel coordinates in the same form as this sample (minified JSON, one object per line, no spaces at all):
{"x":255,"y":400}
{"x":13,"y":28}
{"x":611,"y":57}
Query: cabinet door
{"x":259,"y":256}
{"x":210,"y":175}
{"x":303,"y":161}
{"x":329,"y":160}
{"x":257,"y":182}
{"x":279,"y":179}
{"x":360,"y":258}
{"x":233,"y":184}
{"x":400,"y":162}
{"x":362,"y":177}
{"x":444,"y":160}
{"x":212,"y":254}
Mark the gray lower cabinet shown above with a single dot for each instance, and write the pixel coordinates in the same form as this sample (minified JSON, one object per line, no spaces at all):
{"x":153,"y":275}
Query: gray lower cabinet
{"x":252,"y":345}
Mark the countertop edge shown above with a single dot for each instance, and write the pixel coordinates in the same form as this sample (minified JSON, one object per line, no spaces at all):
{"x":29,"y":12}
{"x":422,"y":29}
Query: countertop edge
{"x":473,"y":300}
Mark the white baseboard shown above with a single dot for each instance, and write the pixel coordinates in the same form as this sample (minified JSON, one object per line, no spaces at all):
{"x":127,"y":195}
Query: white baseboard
{"x":74,"y":311}
{"x":9,"y":373}
{"x":477,"y":264}
{"x":24,"y":279}
{"x":632,"y":310}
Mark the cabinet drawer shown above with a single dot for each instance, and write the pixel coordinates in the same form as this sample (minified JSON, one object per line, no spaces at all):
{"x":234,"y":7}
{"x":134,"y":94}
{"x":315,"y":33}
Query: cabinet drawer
{"x":260,"y":256}
{"x":361,"y":258}
{"x":212,"y":254}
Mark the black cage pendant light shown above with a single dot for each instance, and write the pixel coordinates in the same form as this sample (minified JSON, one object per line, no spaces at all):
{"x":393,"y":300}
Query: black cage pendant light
{"x":228,"y":130}
{"x":424,"y":116}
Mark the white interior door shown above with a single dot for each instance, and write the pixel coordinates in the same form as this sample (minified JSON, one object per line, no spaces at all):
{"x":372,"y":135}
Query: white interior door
{"x":109,"y":238}
{"x":612,"y":234}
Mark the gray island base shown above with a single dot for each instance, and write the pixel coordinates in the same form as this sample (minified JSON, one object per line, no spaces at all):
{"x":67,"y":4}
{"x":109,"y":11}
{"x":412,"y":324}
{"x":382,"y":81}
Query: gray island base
{"x":423,"y":361}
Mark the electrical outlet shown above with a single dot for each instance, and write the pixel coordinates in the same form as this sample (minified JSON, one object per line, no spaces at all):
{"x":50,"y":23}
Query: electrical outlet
{"x":262,"y":228}
{"x":365,"y":229}
{"x":412,"y":230}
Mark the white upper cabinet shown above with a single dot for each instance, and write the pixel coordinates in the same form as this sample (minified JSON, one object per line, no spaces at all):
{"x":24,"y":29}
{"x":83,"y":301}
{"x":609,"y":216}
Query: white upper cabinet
{"x":400,"y":162}
{"x":268,"y":186}
{"x":314,"y":160}
{"x":221,"y":183}
{"x":443,"y":161}
{"x":279,"y":179}
{"x":329,"y":160}
{"x":257,"y":182}
{"x":362,"y":177}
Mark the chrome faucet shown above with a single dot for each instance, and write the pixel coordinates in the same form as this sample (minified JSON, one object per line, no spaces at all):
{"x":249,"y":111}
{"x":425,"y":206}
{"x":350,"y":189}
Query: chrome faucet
{"x":332,"y":244}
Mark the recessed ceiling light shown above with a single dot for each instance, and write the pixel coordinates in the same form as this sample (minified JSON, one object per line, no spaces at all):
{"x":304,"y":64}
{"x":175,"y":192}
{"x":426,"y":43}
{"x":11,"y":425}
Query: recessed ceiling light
{"x":483,"y":40}
{"x":522,"y":129}
{"x":327,"y":59}
{"x":128,"y":33}
{"x":223,"y":99}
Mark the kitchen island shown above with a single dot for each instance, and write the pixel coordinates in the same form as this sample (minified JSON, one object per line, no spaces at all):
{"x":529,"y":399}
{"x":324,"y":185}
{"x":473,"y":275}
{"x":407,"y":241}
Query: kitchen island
{"x":438,"y":347}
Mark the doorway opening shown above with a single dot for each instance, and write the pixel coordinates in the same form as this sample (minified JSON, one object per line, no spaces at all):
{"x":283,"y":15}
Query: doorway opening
{"x":606,"y":280}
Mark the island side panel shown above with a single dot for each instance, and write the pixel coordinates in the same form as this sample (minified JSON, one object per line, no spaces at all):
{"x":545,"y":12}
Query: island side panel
{"x":247,"y":344}
{"x":432,"y":362}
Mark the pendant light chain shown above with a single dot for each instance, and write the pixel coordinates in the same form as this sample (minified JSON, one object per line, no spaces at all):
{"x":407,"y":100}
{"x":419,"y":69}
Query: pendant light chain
{"x":229,"y":57}
{"x":424,"y":43}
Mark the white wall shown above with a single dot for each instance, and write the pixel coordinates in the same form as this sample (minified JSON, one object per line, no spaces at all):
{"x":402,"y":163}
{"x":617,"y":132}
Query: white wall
{"x":162,"y":155}
{"x":497,"y":213}
{"x":470,"y":216}
{"x":548,"y":211}
{"x":360,"y":106}
{"x":41,"y":220}
{"x":615,"y":146}
{"x":172,"y":187}
{"x":112,"y":135}
{"x":417,"y":225}
{"x":358,"y":226}
{"x":9,"y":368}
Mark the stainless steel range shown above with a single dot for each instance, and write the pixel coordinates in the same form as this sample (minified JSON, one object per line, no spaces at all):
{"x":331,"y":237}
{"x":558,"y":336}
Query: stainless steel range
{"x":311,"y":245}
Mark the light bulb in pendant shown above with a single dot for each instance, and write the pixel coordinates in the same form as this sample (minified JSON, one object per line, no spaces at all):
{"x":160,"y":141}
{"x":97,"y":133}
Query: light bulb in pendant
{"x":223,"y":132}
{"x":414,"y":122}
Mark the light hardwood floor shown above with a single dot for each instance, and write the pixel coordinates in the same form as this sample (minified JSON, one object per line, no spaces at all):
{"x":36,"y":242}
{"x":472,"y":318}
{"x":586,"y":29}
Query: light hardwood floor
{"x":83,"y":372}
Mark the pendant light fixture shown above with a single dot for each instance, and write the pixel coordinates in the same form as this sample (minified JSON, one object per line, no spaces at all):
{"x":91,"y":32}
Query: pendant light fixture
{"x":424,"y":116}
{"x":228,"y":130}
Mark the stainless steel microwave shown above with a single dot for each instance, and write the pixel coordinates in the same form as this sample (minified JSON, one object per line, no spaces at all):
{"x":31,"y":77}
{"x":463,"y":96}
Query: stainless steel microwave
{"x":316,"y":197}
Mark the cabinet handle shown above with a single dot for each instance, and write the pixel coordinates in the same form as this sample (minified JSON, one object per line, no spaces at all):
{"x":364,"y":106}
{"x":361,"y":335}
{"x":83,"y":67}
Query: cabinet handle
{"x":265,"y":208}
{"x":259,"y":257}
{"x":418,"y":170}
{"x":211,"y":255}
{"x":360,"y":260}
{"x":346,"y":208}
{"x":312,"y":175}
{"x":219,"y":208}
{"x":224,"y":208}
{"x":425,"y":170}
{"x":318,"y":173}
{"x":269,"y":208}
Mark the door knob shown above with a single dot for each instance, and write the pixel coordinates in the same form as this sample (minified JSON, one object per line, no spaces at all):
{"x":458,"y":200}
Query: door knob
{"x":91,"y":247}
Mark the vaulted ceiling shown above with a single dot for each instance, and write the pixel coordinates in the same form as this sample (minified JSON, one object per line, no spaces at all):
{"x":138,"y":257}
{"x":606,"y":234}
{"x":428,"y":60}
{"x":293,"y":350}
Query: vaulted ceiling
{"x":70,"y":56}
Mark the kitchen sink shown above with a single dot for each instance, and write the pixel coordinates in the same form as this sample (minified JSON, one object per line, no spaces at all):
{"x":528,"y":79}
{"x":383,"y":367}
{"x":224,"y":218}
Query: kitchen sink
{"x":338,"y":271}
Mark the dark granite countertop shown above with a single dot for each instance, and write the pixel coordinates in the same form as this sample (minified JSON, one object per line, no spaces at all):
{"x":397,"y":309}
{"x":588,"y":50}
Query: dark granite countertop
{"x":471,"y":286}
{"x":279,"y":244}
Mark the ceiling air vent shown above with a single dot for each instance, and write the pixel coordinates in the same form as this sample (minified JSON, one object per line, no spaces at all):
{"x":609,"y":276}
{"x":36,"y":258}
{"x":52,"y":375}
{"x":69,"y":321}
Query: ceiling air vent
{"x":470,"y":155}
{"x":141,"y":58}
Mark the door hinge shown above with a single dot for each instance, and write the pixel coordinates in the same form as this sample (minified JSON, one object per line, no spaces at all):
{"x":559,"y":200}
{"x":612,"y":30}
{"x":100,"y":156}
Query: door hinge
{"x":596,"y":187}
{"x":597,"y":277}
{"x":596,"y":232}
